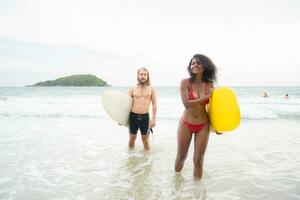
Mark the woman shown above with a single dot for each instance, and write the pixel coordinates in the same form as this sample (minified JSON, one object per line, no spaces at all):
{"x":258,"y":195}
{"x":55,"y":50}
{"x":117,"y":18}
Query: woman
{"x":195,"y":93}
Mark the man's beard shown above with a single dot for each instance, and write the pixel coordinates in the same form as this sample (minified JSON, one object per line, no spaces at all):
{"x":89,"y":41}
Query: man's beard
{"x":142,"y":82}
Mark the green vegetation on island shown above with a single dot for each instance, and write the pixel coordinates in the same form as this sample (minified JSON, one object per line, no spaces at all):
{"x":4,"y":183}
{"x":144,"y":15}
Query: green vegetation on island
{"x":84,"y":80}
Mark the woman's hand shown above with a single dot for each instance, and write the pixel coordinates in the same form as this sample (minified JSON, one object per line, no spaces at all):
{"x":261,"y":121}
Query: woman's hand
{"x":205,"y":98}
{"x":218,"y":133}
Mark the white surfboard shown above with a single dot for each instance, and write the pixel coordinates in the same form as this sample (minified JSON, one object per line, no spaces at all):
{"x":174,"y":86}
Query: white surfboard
{"x":117,"y":105}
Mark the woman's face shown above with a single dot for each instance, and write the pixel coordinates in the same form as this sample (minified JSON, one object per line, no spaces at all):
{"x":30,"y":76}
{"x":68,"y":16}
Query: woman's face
{"x":196,"y":67}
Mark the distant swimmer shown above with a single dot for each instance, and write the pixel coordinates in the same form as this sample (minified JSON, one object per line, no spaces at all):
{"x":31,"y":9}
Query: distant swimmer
{"x":286,"y":96}
{"x":265,"y":95}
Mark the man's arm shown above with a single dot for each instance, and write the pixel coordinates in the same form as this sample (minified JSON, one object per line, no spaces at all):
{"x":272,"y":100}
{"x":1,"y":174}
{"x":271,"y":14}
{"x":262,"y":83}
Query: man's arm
{"x":130,"y":92}
{"x":154,"y":108}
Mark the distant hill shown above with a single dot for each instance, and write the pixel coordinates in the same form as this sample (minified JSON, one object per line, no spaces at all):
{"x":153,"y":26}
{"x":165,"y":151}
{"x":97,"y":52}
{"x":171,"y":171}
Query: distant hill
{"x":83,"y":80}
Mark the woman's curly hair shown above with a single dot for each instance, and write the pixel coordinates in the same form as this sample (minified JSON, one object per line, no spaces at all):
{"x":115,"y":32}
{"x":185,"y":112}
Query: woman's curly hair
{"x":209,"y":68}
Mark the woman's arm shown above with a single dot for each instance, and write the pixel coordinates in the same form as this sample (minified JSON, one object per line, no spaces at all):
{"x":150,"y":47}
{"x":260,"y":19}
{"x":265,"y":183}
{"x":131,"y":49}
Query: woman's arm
{"x":185,"y":96}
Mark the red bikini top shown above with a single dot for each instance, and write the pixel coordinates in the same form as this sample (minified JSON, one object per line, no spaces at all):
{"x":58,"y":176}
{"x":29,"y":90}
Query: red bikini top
{"x":192,"y":97}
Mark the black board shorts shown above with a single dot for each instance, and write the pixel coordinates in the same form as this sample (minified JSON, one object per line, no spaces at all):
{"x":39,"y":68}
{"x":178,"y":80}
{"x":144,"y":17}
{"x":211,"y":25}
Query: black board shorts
{"x":138,"y":121}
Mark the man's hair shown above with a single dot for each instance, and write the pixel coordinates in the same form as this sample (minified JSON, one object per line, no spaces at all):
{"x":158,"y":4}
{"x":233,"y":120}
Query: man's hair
{"x":148,"y":75}
{"x":209,"y":68}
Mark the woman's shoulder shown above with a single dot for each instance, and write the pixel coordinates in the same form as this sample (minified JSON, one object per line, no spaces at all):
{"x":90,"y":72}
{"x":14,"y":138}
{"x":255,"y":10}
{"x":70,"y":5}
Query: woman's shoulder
{"x":210,"y":86}
{"x":185,"y":81}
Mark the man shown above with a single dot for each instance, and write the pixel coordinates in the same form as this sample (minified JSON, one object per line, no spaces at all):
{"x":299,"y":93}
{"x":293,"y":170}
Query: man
{"x":142,"y":95}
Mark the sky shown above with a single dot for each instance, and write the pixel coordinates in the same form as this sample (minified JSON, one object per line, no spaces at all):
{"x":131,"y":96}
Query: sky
{"x":252,"y":42}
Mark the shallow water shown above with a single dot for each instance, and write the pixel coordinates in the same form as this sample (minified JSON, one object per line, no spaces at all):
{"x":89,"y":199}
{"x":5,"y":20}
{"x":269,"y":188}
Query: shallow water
{"x":89,"y":159}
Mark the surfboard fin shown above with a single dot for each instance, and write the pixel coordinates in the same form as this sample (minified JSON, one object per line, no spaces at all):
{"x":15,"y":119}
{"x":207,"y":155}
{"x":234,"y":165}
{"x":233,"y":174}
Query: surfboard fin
{"x":151,"y":130}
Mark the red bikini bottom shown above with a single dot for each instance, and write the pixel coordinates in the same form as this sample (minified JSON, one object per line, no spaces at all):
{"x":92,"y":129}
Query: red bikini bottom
{"x":194,"y":128}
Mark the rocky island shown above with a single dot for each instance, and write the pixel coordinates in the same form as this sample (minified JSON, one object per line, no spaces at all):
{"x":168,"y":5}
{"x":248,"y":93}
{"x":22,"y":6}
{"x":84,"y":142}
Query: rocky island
{"x":82,"y":80}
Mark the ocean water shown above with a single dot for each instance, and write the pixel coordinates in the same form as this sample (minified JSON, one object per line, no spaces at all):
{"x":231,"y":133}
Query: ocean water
{"x":58,"y":143}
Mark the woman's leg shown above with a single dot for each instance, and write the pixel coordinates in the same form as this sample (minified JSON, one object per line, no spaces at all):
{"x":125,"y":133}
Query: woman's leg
{"x":200,"y":144}
{"x":183,"y":143}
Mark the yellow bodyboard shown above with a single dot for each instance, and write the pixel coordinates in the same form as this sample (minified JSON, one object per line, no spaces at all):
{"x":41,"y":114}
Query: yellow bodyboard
{"x":224,"y":112}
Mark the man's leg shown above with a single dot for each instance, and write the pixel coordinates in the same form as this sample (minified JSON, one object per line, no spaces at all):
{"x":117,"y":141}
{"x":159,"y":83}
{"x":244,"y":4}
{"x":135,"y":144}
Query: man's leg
{"x":145,"y":139}
{"x":133,"y":128}
{"x":144,"y":127}
{"x":132,"y":138}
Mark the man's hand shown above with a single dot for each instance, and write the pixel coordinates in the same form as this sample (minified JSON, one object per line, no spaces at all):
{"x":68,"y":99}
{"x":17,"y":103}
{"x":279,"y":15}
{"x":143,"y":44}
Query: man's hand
{"x":152,"y":123}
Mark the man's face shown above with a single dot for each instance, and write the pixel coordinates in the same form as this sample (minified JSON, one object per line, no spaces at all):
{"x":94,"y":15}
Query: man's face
{"x":142,"y":76}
